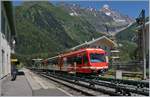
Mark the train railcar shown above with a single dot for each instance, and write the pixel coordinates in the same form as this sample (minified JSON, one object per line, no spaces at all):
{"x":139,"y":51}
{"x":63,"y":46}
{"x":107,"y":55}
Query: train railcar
{"x":85,"y":61}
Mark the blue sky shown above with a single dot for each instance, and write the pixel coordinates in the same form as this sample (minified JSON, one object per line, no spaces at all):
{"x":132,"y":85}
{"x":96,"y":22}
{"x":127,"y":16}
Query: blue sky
{"x":131,"y":8}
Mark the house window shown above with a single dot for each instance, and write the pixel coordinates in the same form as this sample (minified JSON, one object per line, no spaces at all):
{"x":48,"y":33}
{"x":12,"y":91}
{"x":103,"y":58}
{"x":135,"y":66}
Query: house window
{"x":105,"y":47}
{"x":7,"y":63}
{"x":3,"y":61}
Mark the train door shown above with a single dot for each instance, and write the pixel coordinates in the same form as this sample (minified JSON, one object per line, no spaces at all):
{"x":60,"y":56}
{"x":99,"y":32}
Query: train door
{"x":74,"y":64}
{"x":64,"y":68}
{"x":78,"y":63}
{"x":85,"y":60}
{"x":85,"y":64}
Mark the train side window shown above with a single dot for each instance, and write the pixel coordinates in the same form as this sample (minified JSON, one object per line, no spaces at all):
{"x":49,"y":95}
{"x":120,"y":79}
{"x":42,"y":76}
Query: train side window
{"x":85,"y":59}
{"x":73,"y":60}
{"x":70,"y":60}
{"x":79,"y":60}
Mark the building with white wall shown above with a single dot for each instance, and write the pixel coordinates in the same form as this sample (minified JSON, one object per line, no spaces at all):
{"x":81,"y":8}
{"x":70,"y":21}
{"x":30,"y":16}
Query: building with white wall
{"x":7,"y":35}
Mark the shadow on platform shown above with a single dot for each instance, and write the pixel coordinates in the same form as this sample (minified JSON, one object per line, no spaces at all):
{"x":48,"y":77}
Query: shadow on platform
{"x":20,"y":73}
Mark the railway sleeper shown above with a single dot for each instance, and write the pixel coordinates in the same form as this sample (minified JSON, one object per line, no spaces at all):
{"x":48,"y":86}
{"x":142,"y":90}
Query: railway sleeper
{"x":92,"y":85}
{"x":122,"y":92}
{"x":126,"y":93}
{"x":76,"y":81}
{"x":140,"y":85}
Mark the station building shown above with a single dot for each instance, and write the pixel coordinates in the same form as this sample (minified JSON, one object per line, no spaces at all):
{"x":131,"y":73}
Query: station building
{"x":7,"y":37}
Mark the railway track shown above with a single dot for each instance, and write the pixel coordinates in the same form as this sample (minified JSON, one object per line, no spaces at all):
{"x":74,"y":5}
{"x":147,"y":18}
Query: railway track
{"x":119,"y":88}
{"x":76,"y":88}
{"x":85,"y":89}
{"x":138,"y":84}
{"x":95,"y":86}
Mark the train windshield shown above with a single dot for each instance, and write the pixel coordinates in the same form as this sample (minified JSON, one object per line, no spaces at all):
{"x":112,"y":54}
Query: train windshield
{"x":95,"y":57}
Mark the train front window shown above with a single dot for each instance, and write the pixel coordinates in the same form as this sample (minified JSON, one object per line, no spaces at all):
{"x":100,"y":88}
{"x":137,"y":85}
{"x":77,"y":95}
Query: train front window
{"x":95,"y":57}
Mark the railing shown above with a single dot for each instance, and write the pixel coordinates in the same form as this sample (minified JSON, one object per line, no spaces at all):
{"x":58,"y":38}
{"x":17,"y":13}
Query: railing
{"x":129,"y":69}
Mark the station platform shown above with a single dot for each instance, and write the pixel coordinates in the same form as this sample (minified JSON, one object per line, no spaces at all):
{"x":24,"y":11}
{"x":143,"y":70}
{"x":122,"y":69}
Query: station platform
{"x":28,"y":83}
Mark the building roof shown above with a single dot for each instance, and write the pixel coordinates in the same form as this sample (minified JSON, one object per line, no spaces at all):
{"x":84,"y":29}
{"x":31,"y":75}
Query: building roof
{"x":10,"y":15}
{"x":95,"y":41}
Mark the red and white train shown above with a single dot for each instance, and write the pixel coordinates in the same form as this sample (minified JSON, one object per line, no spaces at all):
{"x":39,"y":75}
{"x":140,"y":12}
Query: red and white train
{"x":85,"y":61}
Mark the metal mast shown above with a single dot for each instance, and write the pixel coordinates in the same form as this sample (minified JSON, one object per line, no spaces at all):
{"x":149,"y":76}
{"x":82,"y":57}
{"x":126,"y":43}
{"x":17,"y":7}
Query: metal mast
{"x":141,"y":21}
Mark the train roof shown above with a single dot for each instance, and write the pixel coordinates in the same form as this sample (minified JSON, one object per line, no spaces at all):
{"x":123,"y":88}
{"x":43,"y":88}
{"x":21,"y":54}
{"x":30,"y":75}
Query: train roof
{"x":83,"y":50}
{"x":76,"y":52}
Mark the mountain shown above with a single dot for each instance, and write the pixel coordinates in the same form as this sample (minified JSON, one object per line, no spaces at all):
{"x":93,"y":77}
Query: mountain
{"x":104,"y":20}
{"x":117,"y":16}
{"x":43,"y":28}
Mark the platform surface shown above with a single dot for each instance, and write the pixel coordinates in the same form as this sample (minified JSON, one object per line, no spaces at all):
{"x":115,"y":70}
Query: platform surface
{"x":28,"y":83}
{"x":19,"y":87}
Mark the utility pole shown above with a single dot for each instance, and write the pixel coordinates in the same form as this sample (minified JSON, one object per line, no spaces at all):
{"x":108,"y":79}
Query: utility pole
{"x":144,"y":53}
{"x":141,"y":21}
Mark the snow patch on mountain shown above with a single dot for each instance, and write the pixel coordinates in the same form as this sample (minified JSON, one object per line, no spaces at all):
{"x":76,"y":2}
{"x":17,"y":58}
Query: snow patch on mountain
{"x":108,"y":13}
{"x":73,"y":14}
{"x":119,"y":20}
